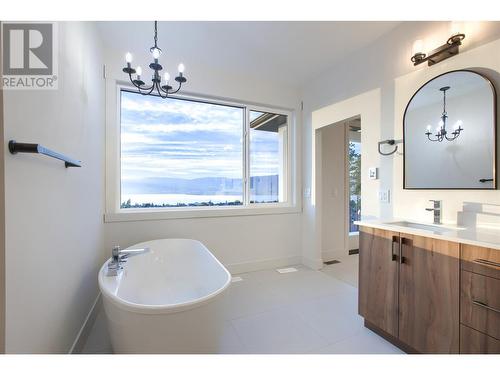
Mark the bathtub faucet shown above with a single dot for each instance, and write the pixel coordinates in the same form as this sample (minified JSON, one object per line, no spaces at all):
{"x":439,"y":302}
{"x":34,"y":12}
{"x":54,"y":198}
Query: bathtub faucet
{"x":119,"y":256}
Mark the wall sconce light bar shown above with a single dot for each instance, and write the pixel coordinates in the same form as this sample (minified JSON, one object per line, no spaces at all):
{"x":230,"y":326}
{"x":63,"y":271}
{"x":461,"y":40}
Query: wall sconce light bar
{"x":450,"y":48}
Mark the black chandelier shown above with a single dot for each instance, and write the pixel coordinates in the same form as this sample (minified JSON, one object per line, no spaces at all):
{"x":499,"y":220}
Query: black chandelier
{"x":163,"y":89}
{"x":441,"y":132}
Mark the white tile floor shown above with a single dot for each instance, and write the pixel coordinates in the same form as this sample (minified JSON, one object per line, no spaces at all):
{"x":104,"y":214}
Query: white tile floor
{"x":302,"y":312}
{"x":346,"y":270}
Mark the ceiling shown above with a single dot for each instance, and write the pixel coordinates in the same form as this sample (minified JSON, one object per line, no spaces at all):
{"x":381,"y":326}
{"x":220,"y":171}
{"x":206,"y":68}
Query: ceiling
{"x":289,"y":53}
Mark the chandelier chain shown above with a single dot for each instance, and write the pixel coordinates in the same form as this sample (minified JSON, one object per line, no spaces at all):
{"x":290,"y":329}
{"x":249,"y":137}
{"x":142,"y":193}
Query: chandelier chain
{"x":156,"y":34}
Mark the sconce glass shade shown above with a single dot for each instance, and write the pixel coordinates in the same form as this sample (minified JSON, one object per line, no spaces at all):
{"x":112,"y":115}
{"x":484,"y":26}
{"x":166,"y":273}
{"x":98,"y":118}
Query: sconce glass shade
{"x":418,"y":55}
{"x":418,"y":47}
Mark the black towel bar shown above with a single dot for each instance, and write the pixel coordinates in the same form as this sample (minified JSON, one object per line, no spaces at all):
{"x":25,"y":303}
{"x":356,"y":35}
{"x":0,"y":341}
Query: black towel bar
{"x":35,"y":148}
{"x":390,"y":142}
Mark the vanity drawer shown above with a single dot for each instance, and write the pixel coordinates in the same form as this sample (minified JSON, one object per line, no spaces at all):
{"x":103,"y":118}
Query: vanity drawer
{"x":474,"y":342}
{"x":480,"y":260}
{"x":480,"y":303}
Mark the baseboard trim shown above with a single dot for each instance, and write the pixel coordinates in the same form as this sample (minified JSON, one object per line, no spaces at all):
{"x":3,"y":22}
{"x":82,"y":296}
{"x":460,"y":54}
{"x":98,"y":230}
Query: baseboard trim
{"x":333,"y":254}
{"x":83,"y":334}
{"x":315,"y":264}
{"x":243,"y":267}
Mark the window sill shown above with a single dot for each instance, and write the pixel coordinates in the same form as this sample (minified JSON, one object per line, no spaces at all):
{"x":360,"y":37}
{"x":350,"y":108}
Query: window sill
{"x":195,"y":213}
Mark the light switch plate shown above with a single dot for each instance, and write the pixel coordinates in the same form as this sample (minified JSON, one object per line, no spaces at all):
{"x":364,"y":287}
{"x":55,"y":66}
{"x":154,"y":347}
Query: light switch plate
{"x":373,"y":173}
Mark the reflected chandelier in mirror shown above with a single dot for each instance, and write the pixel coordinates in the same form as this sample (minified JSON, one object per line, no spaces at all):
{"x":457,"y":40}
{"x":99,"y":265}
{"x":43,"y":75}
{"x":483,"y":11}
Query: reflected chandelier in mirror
{"x":441,"y":132}
{"x":449,"y":133}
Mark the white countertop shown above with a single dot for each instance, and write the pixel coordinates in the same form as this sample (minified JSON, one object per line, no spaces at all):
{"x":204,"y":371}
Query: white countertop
{"x":484,"y":237}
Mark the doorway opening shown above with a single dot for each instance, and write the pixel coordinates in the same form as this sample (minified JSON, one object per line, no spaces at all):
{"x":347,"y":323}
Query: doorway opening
{"x":353,"y":179}
{"x":339,"y":197}
{"x":339,"y":187}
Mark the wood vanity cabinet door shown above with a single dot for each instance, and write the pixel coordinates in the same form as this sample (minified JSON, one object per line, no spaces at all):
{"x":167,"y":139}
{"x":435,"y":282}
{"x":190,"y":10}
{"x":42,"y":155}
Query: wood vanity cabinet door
{"x":378,"y":278}
{"x":429,"y":294}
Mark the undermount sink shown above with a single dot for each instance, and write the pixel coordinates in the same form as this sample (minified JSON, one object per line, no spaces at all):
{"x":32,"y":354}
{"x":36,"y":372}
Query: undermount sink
{"x":426,"y":227}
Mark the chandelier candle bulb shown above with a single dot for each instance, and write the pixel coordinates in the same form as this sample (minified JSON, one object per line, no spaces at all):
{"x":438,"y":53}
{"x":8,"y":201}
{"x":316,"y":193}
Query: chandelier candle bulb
{"x":128,"y":58}
{"x":139,"y":72}
{"x":167,"y":77}
{"x":181,"y":68}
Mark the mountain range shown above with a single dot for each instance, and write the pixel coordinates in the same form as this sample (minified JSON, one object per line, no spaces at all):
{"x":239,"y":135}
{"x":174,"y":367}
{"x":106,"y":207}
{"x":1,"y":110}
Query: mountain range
{"x":259,"y":185}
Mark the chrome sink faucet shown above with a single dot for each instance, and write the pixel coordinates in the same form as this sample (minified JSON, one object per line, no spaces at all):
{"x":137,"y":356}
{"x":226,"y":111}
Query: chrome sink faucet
{"x":119,"y":256}
{"x":437,"y":211}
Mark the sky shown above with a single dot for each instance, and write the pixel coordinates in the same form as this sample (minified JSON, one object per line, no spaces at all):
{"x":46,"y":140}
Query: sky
{"x":184,"y":139}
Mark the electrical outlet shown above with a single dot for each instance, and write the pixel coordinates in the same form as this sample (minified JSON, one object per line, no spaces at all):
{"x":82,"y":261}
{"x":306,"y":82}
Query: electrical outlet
{"x":307,"y":192}
{"x":384,"y":196}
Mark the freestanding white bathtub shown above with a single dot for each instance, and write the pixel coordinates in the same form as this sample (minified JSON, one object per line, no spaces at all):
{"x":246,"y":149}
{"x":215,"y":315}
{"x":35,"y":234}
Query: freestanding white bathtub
{"x":160,"y":303}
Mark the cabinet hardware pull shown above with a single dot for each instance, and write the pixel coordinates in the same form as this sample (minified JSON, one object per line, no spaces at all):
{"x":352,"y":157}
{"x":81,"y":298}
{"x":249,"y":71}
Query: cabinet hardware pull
{"x":485,"y":306}
{"x":395,"y":241}
{"x":407,"y":242}
{"x":486,"y":262}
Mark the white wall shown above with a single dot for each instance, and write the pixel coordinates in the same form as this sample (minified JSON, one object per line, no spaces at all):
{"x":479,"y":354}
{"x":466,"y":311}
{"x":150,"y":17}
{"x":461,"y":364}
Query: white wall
{"x":332,"y":192}
{"x":243,"y":242}
{"x":333,"y":158}
{"x":366,"y":106}
{"x":413,"y":202}
{"x":54,"y":226}
{"x":2,"y":221}
{"x":376,"y":68}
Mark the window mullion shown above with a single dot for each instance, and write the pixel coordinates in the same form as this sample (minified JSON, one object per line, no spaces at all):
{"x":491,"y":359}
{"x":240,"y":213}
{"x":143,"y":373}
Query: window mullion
{"x":246,"y":158}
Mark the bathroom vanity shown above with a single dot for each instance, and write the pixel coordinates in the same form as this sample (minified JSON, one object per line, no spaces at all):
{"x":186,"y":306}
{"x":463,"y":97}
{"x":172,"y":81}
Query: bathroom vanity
{"x":430,"y":289}
{"x":435,"y":288}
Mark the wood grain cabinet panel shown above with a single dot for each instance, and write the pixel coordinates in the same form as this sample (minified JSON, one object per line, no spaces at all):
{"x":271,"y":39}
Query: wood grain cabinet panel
{"x":475,"y":342}
{"x":481,"y":260}
{"x":429,"y":294}
{"x":480,"y":303}
{"x":378,"y":278}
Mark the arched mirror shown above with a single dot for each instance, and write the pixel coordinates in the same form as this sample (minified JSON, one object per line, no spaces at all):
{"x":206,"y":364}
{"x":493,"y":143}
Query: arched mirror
{"x":449,"y":133}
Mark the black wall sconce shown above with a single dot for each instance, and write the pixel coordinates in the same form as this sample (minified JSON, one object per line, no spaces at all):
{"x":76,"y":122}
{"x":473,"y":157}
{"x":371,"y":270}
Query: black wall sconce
{"x":450,"y":48}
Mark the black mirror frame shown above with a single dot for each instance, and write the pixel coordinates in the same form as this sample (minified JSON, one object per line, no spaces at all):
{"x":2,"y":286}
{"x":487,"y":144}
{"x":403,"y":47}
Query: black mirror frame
{"x":495,"y":120}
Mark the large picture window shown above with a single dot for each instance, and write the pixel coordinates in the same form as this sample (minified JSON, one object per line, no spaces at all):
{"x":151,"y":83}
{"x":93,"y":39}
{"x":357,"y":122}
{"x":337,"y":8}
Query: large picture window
{"x":180,"y":152}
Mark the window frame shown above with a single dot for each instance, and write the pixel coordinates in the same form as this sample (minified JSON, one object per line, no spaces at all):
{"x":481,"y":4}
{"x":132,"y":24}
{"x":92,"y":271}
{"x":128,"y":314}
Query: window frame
{"x":113,"y":210}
